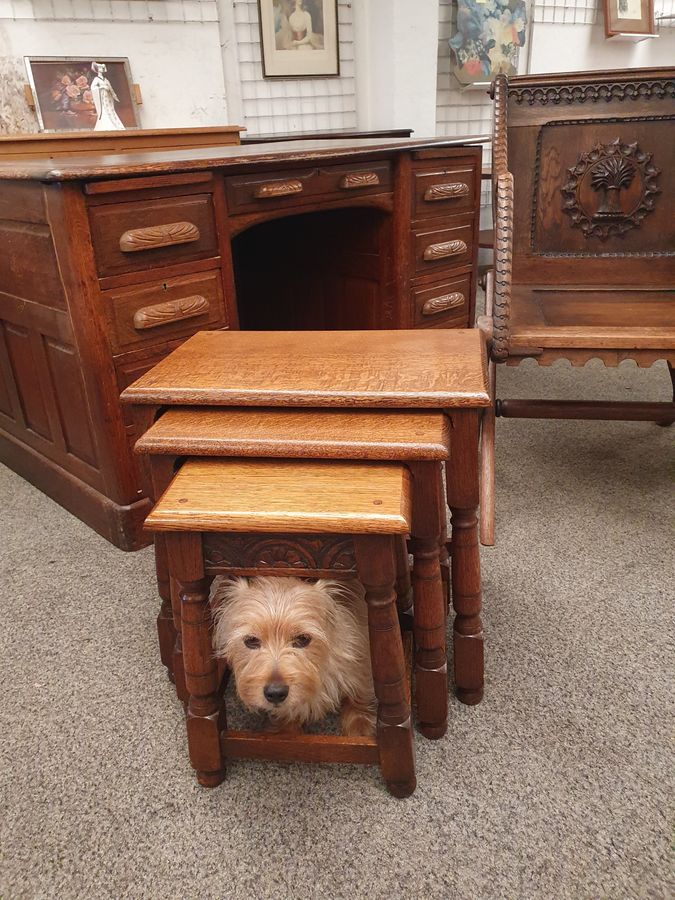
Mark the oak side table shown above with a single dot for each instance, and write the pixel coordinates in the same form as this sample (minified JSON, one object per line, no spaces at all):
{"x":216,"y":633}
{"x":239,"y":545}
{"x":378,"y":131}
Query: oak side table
{"x":430,"y":369}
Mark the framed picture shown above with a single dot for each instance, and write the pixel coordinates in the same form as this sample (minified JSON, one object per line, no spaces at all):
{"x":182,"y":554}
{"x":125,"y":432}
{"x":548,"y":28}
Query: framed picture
{"x":489,"y":40}
{"x":629,"y":17}
{"x":63,"y":89}
{"x":299,"y":38}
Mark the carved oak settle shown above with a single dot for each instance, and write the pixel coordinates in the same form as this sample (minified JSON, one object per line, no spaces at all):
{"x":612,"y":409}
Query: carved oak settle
{"x":584,"y":187}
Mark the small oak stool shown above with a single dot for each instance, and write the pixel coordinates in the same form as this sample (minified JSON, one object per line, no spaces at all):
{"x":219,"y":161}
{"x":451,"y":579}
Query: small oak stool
{"x":353,"y":509}
{"x":420,"y":438}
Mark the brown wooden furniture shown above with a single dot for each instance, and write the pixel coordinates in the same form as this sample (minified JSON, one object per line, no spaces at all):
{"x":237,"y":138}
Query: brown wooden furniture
{"x":72,"y":143}
{"x":364,"y":506}
{"x":441,"y":369}
{"x":332,"y":134}
{"x":420,"y":439}
{"x":585,"y":256}
{"x":108,"y":262}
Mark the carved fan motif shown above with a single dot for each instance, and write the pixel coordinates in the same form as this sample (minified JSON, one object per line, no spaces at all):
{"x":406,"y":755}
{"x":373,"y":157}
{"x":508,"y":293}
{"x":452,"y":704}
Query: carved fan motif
{"x":615,"y":202}
{"x":279,"y":552}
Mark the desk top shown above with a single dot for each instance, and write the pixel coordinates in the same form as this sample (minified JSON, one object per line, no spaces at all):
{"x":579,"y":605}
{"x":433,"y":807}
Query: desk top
{"x":154,"y":162}
{"x":426,"y":368}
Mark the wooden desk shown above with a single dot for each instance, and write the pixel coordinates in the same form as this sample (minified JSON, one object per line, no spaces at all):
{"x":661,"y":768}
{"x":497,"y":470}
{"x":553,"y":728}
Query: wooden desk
{"x":110,"y":261}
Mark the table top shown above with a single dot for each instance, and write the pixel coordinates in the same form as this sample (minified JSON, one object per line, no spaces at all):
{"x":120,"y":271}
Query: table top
{"x":195,"y":159}
{"x":299,"y":433}
{"x":425,"y":368}
{"x":287,"y":495}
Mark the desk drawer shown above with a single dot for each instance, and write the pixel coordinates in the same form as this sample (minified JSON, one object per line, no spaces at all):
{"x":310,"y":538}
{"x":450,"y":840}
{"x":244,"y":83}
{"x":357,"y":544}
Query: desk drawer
{"x":246,"y":193}
{"x":129,"y":237}
{"x":149,"y":314}
{"x":442,"y":248}
{"x":444,"y":303}
{"x":444,"y":191}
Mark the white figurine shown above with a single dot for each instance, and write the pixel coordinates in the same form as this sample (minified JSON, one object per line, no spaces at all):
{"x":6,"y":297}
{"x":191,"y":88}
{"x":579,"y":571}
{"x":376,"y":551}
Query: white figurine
{"x":104,"y":101}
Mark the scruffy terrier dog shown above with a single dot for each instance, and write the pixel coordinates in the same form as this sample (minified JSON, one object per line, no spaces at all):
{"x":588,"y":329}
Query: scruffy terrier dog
{"x":298,"y":649}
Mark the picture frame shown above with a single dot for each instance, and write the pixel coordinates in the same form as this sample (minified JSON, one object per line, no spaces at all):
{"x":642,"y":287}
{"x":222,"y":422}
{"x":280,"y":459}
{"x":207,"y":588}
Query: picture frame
{"x":489,"y":39}
{"x":629,"y":17}
{"x":299,"y":38}
{"x":61,"y":91}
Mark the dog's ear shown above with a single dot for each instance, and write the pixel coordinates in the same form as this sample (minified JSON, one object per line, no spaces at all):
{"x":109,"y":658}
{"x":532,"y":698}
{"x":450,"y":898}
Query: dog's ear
{"x":226,"y":590}
{"x":224,"y":595}
{"x":340,"y":591}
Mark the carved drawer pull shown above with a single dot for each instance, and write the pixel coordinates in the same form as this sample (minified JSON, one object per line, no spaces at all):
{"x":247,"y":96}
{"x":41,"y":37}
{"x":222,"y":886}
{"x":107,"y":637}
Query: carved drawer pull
{"x":359,"y":180}
{"x":446,"y":191}
{"x":447,"y":248}
{"x":158,"y":236}
{"x":278,"y":189}
{"x":440,"y":304}
{"x":171,"y":311}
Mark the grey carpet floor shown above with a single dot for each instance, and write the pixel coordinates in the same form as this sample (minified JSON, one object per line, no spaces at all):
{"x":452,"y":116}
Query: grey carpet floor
{"x":559,"y":785}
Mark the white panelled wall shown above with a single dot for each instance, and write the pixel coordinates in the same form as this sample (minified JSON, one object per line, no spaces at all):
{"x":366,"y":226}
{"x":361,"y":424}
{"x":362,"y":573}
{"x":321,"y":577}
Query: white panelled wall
{"x":198,"y":61}
{"x":271,"y":106}
{"x":173,"y":49}
{"x":567,"y":36}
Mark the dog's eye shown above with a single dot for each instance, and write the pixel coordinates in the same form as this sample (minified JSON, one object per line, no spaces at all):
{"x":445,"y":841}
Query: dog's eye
{"x":253,"y":643}
{"x":301,"y":640}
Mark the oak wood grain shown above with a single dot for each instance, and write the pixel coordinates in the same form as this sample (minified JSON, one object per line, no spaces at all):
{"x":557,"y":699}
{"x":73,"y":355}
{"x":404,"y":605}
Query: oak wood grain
{"x":367,"y":281}
{"x":412,"y":369}
{"x":446,"y":189}
{"x":141,"y":315}
{"x":584,"y":258}
{"x":22,"y":146}
{"x":439,"y":303}
{"x":286,"y":495}
{"x":306,"y":748}
{"x":326,"y":433}
{"x":171,"y":311}
{"x":186,"y":160}
{"x":448,"y":244}
{"x":137,"y":239}
{"x":137,"y":235}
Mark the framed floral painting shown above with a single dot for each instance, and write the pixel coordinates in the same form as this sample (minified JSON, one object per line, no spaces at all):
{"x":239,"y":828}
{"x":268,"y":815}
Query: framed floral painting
{"x":489,"y":39}
{"x":299,"y":38}
{"x":62,"y":91}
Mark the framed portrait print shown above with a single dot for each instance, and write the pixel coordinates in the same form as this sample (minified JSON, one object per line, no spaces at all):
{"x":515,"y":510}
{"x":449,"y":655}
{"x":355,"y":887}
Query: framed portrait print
{"x":629,"y":17}
{"x":64,"y":93}
{"x":299,"y":38}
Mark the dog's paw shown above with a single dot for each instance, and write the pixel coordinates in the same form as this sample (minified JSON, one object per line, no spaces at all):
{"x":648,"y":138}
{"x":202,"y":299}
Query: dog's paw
{"x":357,"y":720}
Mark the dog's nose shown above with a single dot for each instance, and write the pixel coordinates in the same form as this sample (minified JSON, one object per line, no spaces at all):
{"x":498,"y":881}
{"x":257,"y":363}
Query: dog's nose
{"x":275,"y":692}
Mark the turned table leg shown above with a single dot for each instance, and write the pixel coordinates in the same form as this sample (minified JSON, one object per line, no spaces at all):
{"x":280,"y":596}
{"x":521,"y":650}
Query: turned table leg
{"x":444,"y":555}
{"x":375,"y":561}
{"x":671,"y":370}
{"x":462,"y":473}
{"x":404,"y":594}
{"x":161,"y":470}
{"x":166,"y":631}
{"x":177,"y":663}
{"x":431,"y":667}
{"x":205,"y":716}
